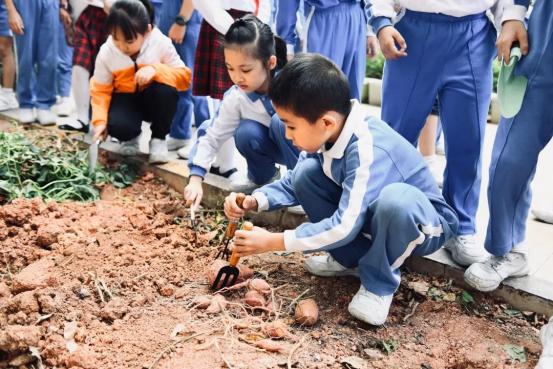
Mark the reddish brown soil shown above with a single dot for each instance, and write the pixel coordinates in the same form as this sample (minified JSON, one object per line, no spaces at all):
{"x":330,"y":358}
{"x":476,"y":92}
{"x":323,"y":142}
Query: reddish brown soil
{"x":132,"y":250}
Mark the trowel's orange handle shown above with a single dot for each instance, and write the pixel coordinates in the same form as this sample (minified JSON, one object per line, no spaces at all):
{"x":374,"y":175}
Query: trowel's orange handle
{"x":231,"y":228}
{"x":247,"y":226}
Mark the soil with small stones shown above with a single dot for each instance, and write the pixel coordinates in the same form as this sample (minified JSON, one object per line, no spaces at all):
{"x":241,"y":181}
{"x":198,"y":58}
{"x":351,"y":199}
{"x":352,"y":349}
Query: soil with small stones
{"x":109,"y":284}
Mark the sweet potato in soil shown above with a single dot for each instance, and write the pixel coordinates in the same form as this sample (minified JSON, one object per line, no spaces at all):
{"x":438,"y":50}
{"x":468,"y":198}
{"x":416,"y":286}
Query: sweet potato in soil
{"x":123,"y":269}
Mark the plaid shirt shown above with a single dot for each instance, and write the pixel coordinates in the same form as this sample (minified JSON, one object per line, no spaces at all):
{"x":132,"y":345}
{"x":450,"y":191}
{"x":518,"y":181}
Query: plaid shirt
{"x":90,"y":34}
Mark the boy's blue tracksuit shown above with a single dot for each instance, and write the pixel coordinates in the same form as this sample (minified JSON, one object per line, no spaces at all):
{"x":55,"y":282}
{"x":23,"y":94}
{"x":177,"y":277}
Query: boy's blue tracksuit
{"x":371,"y":200}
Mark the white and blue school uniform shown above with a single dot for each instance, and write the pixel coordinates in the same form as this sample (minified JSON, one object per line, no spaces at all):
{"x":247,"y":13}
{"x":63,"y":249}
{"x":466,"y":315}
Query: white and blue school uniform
{"x":65,"y":63}
{"x":37,"y":49}
{"x":4,"y":25}
{"x":450,"y":47}
{"x":259,"y":137}
{"x":371,"y":202}
{"x":336,"y":29}
{"x":520,"y":139}
{"x":189,"y":108}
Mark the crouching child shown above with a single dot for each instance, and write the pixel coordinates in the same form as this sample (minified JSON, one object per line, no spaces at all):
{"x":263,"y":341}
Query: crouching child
{"x":370,"y":198}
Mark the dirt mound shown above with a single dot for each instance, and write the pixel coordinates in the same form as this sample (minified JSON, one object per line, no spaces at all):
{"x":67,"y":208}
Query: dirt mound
{"x":111,"y":284}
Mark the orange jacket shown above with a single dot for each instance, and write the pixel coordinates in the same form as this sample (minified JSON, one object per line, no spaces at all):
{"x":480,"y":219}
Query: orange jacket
{"x":114,"y":71}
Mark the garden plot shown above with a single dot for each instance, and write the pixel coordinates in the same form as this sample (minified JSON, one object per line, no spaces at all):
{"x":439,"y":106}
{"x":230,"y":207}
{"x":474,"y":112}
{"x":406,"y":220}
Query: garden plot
{"x":119,"y":283}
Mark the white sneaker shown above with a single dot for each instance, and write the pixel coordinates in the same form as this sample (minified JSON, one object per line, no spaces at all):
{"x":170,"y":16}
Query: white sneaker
{"x":370,"y":308}
{"x":8,"y":100}
{"x":158,"y":151}
{"x":546,"y":336}
{"x":298,"y":209}
{"x":488,"y":275}
{"x":176,"y":143}
{"x":129,"y":148}
{"x":436,"y":168}
{"x":327,"y":266}
{"x":184,"y":152}
{"x":46,"y":117}
{"x":239,"y":182}
{"x":544,"y":214}
{"x":465,"y":250}
{"x":26,"y":115}
{"x":64,"y":107}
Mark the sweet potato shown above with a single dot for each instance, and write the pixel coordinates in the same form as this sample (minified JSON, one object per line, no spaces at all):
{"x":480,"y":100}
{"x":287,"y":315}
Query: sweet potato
{"x":307,"y":312}
{"x":254,"y":299}
{"x":260,"y":285}
{"x":213,"y":270}
{"x":269,"y":345}
{"x":276,"y":329}
{"x":202,"y":302}
{"x":218,"y":303}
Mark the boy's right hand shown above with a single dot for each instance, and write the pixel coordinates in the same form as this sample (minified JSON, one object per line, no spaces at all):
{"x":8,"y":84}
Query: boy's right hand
{"x":233,"y":211}
{"x":15,"y":22}
{"x":193,"y":192}
{"x":511,"y":31}
{"x":389,"y":38}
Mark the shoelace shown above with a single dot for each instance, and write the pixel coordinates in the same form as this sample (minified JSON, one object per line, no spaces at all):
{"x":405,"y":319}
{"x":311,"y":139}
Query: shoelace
{"x":498,"y":261}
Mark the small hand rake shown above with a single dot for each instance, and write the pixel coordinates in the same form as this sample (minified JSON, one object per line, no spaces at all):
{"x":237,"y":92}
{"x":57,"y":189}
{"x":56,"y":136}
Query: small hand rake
{"x":228,"y":275}
{"x":229,"y":233}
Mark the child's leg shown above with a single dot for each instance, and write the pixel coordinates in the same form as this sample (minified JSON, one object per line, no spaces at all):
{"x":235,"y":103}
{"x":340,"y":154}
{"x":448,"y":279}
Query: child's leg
{"x":47,"y":53}
{"x":319,"y":196}
{"x":80,"y":79}
{"x":65,"y":56}
{"x":340,"y":33}
{"x":464,"y":102}
{"x":159,"y":103}
{"x":404,"y":222}
{"x":8,"y":62}
{"x":125,"y":116}
{"x":288,"y":152}
{"x":261,"y":153}
{"x":28,"y":10}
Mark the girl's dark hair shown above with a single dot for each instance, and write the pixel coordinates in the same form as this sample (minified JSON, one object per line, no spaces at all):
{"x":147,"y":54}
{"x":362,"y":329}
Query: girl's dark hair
{"x":132,"y":17}
{"x":249,"y":32}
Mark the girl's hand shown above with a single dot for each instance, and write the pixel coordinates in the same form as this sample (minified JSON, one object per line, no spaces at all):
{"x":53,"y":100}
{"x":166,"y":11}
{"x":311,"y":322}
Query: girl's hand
{"x":511,"y":31}
{"x":233,"y":211}
{"x":257,"y":241}
{"x":388,"y":38}
{"x":194,"y":192}
{"x":176,"y":33}
{"x":100,"y":132}
{"x":15,"y":22}
{"x":372,"y":47}
{"x":145,"y":75}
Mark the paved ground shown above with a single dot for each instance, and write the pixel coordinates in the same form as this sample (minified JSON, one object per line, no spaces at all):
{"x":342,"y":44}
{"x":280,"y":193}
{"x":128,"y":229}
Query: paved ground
{"x":539,"y":236}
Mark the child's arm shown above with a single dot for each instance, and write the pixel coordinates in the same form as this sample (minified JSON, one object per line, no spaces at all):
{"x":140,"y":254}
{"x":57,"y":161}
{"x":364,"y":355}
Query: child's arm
{"x":286,"y":18}
{"x":511,"y":18}
{"x":101,"y":88}
{"x":171,"y":70}
{"x":177,"y":32}
{"x":14,"y":19}
{"x":379,"y":14}
{"x":214,"y":14}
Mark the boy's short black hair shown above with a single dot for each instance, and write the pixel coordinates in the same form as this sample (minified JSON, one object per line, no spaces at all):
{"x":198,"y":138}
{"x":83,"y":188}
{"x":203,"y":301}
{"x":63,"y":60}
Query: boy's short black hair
{"x":310,"y":85}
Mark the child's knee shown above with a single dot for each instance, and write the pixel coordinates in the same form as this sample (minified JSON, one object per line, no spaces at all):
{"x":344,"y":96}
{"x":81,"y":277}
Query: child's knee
{"x":395,"y":200}
{"x":248,"y":134}
{"x":303,"y":175}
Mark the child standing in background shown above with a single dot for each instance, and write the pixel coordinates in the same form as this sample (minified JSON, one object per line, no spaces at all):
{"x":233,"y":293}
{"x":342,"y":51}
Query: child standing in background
{"x":35,"y":25}
{"x":137,"y":76}
{"x":8,"y":99}
{"x":252,"y":55}
{"x":443,"y":49}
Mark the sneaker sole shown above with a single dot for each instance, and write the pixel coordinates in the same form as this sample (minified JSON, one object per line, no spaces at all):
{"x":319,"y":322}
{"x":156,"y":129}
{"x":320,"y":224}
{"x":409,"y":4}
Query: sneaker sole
{"x":491,"y":287}
{"x":357,"y":314}
{"x":345,"y":273}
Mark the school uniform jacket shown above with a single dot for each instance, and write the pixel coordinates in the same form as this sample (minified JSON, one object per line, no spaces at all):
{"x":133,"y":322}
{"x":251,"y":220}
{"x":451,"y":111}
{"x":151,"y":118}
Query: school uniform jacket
{"x":367,"y":156}
{"x":115,"y":71}
{"x":237,"y":105}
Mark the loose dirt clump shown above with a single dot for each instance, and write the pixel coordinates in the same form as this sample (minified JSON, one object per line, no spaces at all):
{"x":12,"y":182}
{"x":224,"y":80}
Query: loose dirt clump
{"x":118,"y":284}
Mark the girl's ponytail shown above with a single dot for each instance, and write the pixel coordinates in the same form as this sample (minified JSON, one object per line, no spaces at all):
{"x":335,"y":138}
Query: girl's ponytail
{"x":281,"y":52}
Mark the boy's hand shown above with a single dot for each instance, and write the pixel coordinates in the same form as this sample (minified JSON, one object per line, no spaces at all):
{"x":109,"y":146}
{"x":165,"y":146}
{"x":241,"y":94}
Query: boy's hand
{"x":372,"y":47}
{"x":100,"y":132}
{"x":145,"y":75}
{"x":511,"y":31}
{"x":15,"y":22}
{"x":257,"y":241}
{"x":193,"y":192}
{"x":389,"y":38}
{"x":176,"y":33}
{"x":233,"y":211}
